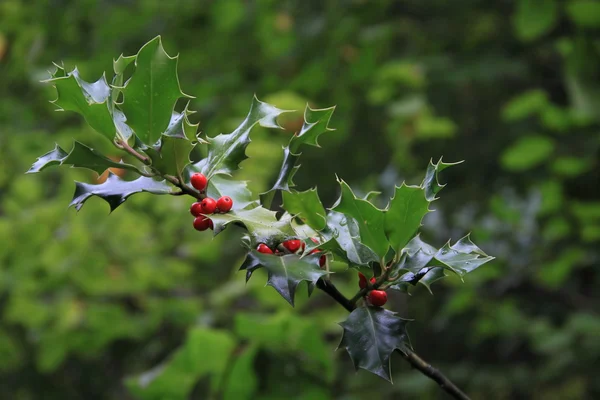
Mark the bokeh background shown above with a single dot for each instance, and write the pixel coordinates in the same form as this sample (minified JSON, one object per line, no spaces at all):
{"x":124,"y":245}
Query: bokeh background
{"x":90,"y":304}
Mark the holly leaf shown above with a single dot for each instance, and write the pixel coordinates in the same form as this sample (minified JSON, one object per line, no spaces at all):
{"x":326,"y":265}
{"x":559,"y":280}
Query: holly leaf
{"x":80,"y":156}
{"x":404,"y":215}
{"x":426,"y":276}
{"x":370,"y":219}
{"x":88,"y":99}
{"x":149,"y":96}
{"x":220,"y":186}
{"x":227,"y":151}
{"x":115,"y":190}
{"x":433,"y":275}
{"x":315,"y":124}
{"x":285,"y":272}
{"x":462,"y":257}
{"x":307,"y":206}
{"x":370,"y":336}
{"x":430,"y":184}
{"x":343,"y":239}
{"x":419,"y":257}
{"x":172,"y":153}
{"x":262,"y":225}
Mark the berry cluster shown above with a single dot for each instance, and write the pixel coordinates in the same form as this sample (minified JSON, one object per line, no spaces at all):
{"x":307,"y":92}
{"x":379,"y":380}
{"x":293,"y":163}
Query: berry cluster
{"x":377,"y":298}
{"x":207,"y":206}
{"x":289,"y":247}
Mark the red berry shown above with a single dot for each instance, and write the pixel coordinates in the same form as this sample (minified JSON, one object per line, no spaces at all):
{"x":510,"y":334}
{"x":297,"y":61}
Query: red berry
{"x":208,"y":205}
{"x":362,"y":281}
{"x":263,"y":248}
{"x":202,"y":223}
{"x":292,"y":245}
{"x":322,"y":259}
{"x":373,"y":280}
{"x":377,"y":297}
{"x":195,"y":209}
{"x":315,"y":240}
{"x":224,"y":204}
{"x":199,"y":181}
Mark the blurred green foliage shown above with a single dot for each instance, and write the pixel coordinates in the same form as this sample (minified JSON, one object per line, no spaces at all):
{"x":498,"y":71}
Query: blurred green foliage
{"x":91,"y":304}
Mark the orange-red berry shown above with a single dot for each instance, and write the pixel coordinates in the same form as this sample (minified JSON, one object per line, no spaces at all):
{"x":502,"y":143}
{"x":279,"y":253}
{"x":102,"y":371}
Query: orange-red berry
{"x":263,"y":248}
{"x":377,"y":297}
{"x":202,"y":223}
{"x":195,"y":209}
{"x":208,"y":205}
{"x":292,"y":245}
{"x":362,"y":281}
{"x":199,"y":181}
{"x":224,"y":204}
{"x":322,"y":260}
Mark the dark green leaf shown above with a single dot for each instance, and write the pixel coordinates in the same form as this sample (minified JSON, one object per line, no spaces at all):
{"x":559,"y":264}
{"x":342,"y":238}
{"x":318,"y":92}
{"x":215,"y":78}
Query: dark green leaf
{"x":370,"y":219}
{"x":115,"y":190}
{"x":370,"y":336}
{"x":462,"y":257}
{"x":426,"y":276}
{"x":343,"y":239}
{"x":226,"y":151}
{"x":261,"y":224}
{"x":315,"y":124}
{"x":307,"y":206}
{"x":172,"y":153}
{"x":284,"y":179}
{"x":404,"y":214}
{"x":88,"y":99}
{"x":433,"y":275}
{"x":430,"y":184}
{"x":204,"y":353}
{"x":149,"y":96}
{"x":285,"y":272}
{"x":121,"y":63}
{"x":80,"y":156}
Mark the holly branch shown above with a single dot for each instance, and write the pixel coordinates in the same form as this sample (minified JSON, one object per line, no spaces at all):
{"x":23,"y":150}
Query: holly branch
{"x":295,"y":246}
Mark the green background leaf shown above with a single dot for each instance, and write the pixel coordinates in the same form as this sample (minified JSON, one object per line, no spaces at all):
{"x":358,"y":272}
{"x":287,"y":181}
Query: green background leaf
{"x":527,"y":153}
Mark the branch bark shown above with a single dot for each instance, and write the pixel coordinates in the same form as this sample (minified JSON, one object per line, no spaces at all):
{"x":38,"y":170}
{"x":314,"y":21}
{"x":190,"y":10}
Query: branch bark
{"x":413,"y":358}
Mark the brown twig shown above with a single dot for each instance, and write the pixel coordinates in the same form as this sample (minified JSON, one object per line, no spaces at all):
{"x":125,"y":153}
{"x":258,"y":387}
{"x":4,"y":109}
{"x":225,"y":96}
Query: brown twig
{"x":413,"y":359}
{"x":185,"y":189}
